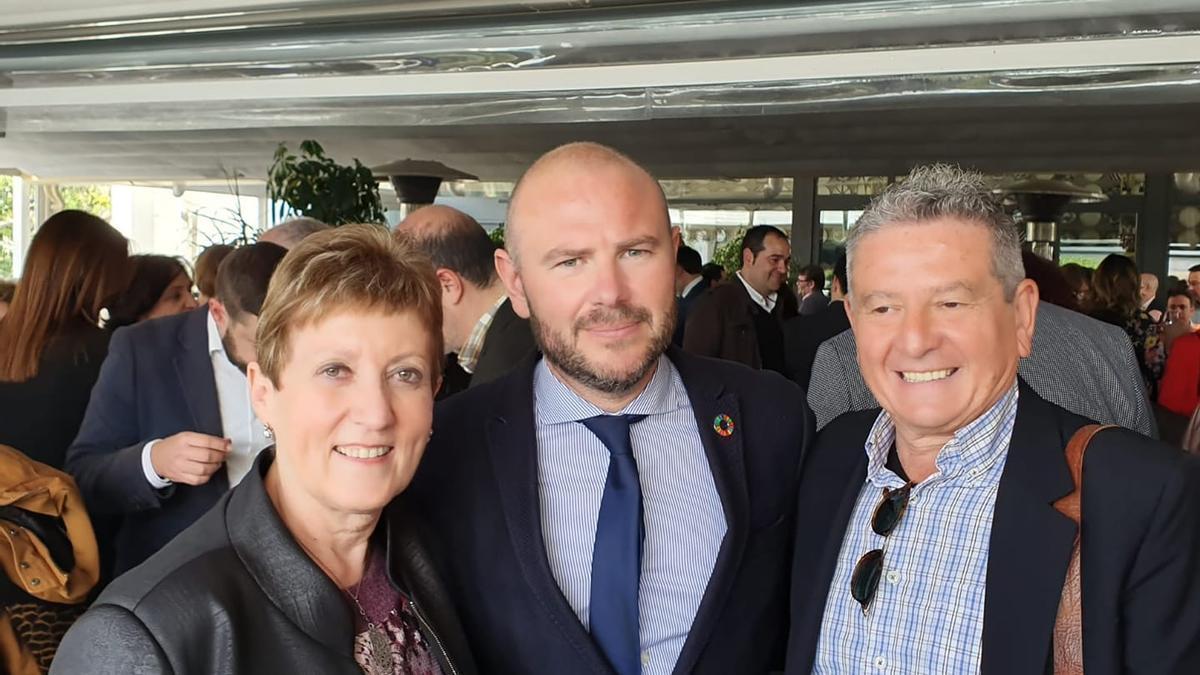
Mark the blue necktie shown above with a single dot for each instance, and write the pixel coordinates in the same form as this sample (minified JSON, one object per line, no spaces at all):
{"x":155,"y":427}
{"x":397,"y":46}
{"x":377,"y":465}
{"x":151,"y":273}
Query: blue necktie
{"x":617,"y":556}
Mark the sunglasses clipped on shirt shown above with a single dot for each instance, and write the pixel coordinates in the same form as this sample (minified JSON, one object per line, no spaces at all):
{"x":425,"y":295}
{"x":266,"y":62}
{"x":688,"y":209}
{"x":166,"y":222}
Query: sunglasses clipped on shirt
{"x":865,"y":579}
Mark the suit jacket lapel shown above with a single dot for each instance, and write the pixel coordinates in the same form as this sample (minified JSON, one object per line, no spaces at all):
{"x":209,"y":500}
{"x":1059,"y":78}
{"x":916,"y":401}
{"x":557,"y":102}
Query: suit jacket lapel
{"x":828,"y":492}
{"x":512,"y":443}
{"x":288,"y":577}
{"x":193,"y":364}
{"x":1030,"y":545}
{"x":709,"y":399}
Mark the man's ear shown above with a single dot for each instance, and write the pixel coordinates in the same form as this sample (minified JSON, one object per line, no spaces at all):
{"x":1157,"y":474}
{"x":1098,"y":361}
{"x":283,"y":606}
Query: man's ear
{"x":747,"y":257}
{"x":220,"y":316}
{"x":452,"y":286}
{"x":1025,"y":303}
{"x":506,"y":268}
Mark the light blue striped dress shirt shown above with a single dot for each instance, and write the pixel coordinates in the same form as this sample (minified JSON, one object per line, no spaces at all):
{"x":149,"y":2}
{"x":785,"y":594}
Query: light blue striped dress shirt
{"x":927,"y":614}
{"x":684,"y":520}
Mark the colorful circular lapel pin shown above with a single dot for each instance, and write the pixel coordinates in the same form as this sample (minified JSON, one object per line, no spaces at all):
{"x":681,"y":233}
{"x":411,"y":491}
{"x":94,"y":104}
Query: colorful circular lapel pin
{"x":723,"y":425}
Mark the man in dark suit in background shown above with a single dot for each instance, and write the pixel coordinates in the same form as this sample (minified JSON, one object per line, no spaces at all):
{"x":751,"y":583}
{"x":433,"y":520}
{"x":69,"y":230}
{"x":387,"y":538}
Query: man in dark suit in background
{"x":615,"y":506}
{"x":927,"y":538}
{"x":743,"y":320}
{"x":689,"y":286}
{"x":169,"y":426}
{"x":478,"y":323}
{"x":802,"y":335}
{"x":810,"y":289}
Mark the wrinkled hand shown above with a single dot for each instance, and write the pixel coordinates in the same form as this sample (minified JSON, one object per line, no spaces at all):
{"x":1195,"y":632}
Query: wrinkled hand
{"x":188,"y":457}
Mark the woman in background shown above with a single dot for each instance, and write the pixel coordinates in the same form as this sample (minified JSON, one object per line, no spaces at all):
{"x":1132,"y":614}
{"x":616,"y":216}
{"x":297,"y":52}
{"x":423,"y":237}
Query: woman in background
{"x":1114,"y":299}
{"x":161,"y":286}
{"x":51,"y":345}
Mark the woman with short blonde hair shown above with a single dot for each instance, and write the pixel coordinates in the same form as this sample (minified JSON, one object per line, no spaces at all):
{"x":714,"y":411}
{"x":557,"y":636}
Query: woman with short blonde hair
{"x":309,"y":564}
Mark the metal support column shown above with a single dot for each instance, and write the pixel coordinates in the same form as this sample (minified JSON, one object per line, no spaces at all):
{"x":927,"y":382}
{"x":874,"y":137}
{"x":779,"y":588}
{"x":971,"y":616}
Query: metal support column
{"x":1153,"y":237}
{"x":806,"y":226}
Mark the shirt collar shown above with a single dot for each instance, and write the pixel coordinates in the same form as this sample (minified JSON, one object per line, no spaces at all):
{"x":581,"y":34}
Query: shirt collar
{"x":691,"y":284}
{"x":468,"y":354}
{"x":556,"y":403}
{"x":975,"y":448}
{"x":214,"y":337}
{"x":766,"y":302}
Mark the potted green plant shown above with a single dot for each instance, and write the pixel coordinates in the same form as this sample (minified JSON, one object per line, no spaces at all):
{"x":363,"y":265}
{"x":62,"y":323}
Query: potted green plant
{"x":315,"y":186}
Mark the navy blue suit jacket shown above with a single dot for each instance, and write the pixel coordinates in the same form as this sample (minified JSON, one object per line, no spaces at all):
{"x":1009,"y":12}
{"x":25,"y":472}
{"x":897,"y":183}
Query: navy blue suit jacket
{"x":156,"y":381}
{"x":477,"y":490}
{"x":1140,"y":556}
{"x":683,"y":305}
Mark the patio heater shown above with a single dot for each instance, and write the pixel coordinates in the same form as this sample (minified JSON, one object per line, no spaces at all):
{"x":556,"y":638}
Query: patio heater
{"x":1041,"y":202}
{"x":416,"y":181}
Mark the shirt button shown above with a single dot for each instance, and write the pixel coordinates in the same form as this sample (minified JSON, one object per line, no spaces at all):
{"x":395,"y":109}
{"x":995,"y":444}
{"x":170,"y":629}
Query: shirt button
{"x":645,"y":658}
{"x":893,"y":577}
{"x":880,"y":662}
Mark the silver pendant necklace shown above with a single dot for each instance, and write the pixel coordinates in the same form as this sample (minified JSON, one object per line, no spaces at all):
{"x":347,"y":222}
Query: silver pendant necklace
{"x":382,"y":662}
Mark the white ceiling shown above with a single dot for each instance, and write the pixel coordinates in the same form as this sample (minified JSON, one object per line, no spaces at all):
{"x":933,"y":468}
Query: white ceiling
{"x":1110,"y":102}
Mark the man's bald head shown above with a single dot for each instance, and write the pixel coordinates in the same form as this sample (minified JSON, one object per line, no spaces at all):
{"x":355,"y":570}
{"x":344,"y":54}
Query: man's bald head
{"x":574,"y":165}
{"x":453,"y":240}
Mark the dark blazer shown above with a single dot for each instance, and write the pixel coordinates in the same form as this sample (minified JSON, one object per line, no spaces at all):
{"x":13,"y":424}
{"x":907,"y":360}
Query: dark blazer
{"x":42,"y":414}
{"x":813,"y":303}
{"x":157,"y":381}
{"x":1140,"y":556}
{"x":507,"y":342}
{"x":721,"y":325}
{"x":477,"y":489}
{"x":236,"y":594}
{"x":683,"y":305}
{"x":802,"y":335}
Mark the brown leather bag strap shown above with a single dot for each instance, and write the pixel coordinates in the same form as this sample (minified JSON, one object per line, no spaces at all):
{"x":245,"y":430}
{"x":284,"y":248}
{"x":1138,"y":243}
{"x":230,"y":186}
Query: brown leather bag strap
{"x":1068,"y":626}
{"x":1071,"y":504}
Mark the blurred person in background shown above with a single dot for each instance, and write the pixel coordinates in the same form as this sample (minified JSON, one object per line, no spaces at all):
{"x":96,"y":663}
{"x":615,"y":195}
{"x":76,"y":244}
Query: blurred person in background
{"x":51,"y":345}
{"x":7,"y":288}
{"x":1052,"y":283}
{"x":743,"y":320}
{"x":1148,"y":294}
{"x":309,"y":565}
{"x":169,"y":427}
{"x":690,"y":284}
{"x":1114,"y":300}
{"x":160,"y":286}
{"x":810,"y":289}
{"x":291,"y":232}
{"x":206,"y":270}
{"x":713,"y":273}
{"x":1079,"y":278}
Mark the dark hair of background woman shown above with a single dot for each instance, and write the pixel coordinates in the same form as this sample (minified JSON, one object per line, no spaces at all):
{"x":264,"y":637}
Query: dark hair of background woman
{"x":1115,"y":287}
{"x":151,"y":276}
{"x":76,"y":263}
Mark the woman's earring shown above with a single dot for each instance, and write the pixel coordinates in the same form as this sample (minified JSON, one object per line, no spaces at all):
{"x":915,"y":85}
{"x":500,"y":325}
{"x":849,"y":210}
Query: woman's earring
{"x":431,"y":434}
{"x":268,"y":431}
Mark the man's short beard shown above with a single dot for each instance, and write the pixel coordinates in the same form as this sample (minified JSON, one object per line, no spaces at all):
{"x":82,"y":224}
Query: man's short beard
{"x":563,"y":355}
{"x":231,"y":352}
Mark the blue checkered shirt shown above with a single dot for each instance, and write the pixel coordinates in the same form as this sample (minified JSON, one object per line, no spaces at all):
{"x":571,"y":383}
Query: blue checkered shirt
{"x":927,"y":614}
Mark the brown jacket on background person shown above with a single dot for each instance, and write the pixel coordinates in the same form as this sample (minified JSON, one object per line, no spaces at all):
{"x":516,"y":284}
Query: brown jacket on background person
{"x":721,"y":324}
{"x":48,"y":575}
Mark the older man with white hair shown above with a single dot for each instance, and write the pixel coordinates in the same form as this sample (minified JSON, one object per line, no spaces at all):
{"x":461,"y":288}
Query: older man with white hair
{"x":960,"y":565}
{"x":289,"y":233}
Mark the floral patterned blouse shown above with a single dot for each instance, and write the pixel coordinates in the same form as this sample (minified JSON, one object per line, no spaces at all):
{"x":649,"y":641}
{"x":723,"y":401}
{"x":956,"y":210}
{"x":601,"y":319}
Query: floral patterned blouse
{"x":1148,"y":346}
{"x":388,"y":638}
